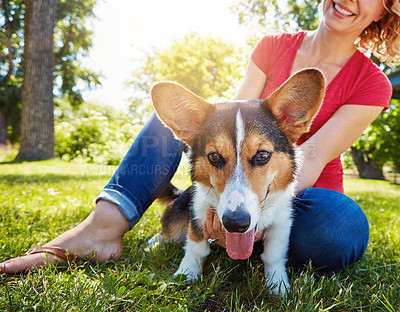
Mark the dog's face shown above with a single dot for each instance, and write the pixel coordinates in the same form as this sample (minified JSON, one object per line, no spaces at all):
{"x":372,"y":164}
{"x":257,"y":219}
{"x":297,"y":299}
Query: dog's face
{"x":243,"y":150}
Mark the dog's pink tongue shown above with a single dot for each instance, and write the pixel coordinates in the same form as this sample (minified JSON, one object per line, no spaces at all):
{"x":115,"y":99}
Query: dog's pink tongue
{"x":240,"y":245}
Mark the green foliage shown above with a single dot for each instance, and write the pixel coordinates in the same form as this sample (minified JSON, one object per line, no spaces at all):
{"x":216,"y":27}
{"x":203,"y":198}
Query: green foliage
{"x":304,"y":13}
{"x":381,"y":140}
{"x":262,"y":15}
{"x":93,"y":134}
{"x":11,"y":37}
{"x":72,"y":41}
{"x":205,"y":65}
{"x":40,"y":200}
{"x":10,"y":102}
{"x":8,"y":154}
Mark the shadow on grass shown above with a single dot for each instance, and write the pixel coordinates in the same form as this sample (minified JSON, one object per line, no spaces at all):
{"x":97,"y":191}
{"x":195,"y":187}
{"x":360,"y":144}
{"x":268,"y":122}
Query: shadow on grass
{"x":12,"y":162}
{"x":13,"y":179}
{"x":16,"y":161}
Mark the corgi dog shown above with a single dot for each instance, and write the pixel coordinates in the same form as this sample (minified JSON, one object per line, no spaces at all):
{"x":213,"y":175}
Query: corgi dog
{"x":243,"y":164}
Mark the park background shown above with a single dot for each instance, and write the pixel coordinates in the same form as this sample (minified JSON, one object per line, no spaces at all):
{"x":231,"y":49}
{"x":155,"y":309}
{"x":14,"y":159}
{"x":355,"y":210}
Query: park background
{"x":64,"y":131}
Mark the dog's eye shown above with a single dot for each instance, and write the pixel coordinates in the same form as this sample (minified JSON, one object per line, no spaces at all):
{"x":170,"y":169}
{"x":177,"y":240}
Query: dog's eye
{"x":260,"y":158}
{"x":216,"y":159}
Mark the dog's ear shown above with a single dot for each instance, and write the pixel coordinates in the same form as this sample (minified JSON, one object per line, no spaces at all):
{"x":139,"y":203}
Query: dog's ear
{"x":180,"y":109}
{"x":297,"y":101}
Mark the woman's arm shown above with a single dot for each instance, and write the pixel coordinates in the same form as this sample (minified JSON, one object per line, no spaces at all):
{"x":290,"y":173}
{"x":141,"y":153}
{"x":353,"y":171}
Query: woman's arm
{"x":329,"y":142}
{"x":332,"y":139}
{"x":252,"y":84}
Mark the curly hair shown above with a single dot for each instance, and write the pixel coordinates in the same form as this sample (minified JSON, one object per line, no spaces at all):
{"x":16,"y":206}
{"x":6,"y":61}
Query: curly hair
{"x":382,"y":38}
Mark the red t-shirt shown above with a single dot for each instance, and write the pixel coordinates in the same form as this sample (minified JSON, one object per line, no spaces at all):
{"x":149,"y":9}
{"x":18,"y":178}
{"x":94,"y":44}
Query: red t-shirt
{"x":360,"y":82}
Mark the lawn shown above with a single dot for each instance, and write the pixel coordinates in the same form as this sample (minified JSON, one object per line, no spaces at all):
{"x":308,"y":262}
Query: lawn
{"x":40,"y":200}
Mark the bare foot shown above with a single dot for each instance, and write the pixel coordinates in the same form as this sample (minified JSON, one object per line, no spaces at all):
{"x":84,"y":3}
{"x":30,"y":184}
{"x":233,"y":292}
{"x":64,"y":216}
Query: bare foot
{"x":98,"y":236}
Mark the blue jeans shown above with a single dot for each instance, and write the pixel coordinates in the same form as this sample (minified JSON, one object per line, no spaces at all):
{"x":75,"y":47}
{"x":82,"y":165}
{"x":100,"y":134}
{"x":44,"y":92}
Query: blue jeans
{"x":329,"y":228}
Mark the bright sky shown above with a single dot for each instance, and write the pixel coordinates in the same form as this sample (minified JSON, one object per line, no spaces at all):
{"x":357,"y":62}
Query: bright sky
{"x":125,"y":28}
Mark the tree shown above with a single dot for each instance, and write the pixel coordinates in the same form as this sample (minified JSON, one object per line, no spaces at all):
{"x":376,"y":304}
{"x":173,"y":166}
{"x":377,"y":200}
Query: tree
{"x":72,"y":40}
{"x":205,"y":65}
{"x":37,"y":139}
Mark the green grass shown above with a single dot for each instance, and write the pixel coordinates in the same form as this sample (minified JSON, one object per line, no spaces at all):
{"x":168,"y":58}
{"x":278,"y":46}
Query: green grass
{"x":40,"y":200}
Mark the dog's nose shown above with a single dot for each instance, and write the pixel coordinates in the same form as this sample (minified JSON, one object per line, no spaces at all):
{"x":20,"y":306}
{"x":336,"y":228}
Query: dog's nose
{"x":236,"y":221}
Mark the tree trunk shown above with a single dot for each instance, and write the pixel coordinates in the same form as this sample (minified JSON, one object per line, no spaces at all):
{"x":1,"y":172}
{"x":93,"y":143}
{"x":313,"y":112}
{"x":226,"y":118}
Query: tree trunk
{"x":3,"y":129}
{"x":367,"y":168}
{"x":37,"y":127}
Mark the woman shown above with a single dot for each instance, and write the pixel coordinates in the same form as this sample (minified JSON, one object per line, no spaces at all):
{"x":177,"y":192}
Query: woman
{"x":329,"y":228}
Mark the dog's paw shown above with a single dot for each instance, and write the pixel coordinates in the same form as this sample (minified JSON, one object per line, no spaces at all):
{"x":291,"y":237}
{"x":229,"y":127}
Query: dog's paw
{"x":192,"y":261}
{"x":280,"y":290}
{"x":191,"y":278}
{"x":155,"y":241}
{"x":191,"y":272}
{"x":278,"y":282}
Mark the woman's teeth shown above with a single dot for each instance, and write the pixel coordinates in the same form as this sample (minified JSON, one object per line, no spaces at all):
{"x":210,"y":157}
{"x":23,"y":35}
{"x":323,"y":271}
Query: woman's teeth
{"x":342,"y":11}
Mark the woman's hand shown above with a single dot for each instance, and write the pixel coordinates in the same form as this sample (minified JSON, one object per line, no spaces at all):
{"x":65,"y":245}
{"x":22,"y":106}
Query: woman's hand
{"x":332,"y":139}
{"x":214,"y":229}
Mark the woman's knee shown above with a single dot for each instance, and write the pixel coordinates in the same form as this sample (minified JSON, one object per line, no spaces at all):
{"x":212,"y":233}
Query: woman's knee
{"x":329,"y":229}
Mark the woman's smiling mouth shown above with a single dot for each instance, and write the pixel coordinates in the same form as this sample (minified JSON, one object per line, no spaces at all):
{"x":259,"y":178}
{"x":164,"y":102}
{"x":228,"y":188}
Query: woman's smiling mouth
{"x":342,"y":10}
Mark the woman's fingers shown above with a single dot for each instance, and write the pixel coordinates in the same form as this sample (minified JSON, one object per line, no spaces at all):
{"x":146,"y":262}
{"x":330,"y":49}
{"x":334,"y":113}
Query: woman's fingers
{"x":259,"y":236}
{"x":205,"y":231}
{"x":209,"y":224}
{"x":213,"y":228}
